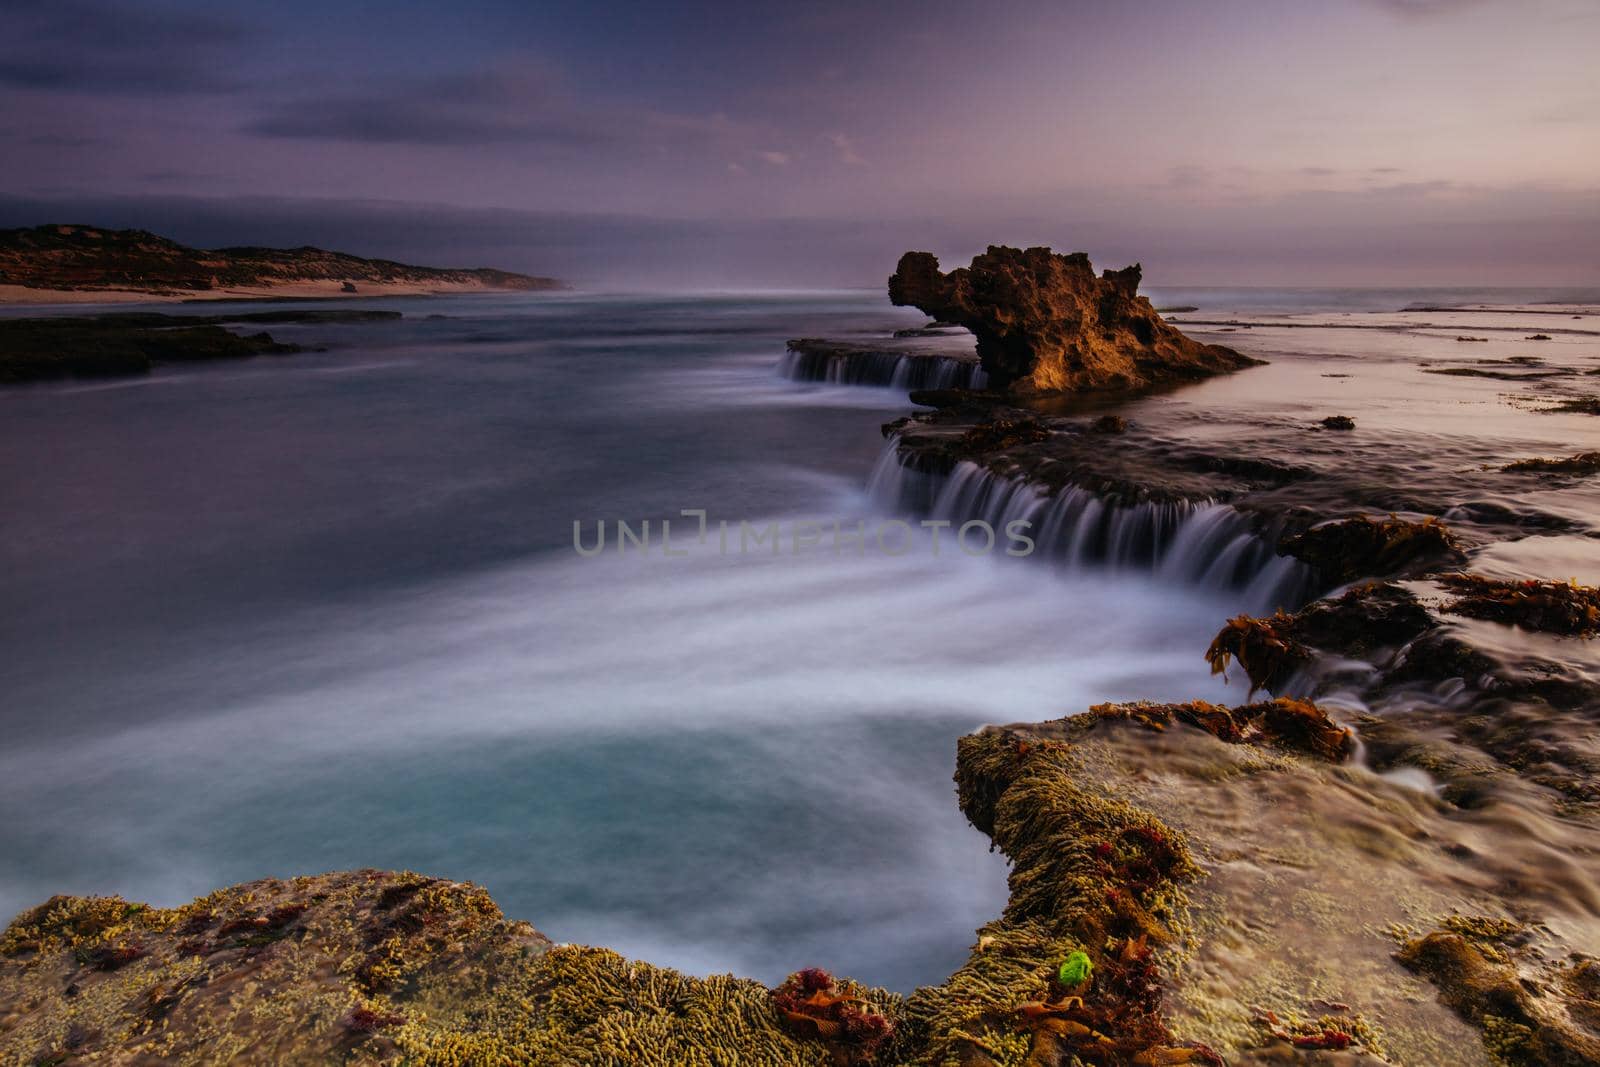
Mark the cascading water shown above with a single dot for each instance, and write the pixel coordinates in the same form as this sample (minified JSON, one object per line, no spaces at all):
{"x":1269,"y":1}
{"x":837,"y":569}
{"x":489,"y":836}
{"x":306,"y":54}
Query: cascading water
{"x":894,"y":369}
{"x":1204,"y":543}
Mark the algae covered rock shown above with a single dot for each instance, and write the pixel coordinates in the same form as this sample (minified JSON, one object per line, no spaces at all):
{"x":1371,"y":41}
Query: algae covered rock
{"x":306,"y":969}
{"x":33,"y":349}
{"x":1565,"y":608}
{"x":1533,"y":1012}
{"x":1582,"y":463}
{"x":1293,"y":725}
{"x":1364,"y":547}
{"x":1069,"y":972}
{"x":1046,"y":323}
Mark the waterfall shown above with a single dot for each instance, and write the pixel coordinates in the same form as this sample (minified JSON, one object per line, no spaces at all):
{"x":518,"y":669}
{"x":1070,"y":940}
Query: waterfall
{"x":899,"y":370}
{"x":1204,"y":543}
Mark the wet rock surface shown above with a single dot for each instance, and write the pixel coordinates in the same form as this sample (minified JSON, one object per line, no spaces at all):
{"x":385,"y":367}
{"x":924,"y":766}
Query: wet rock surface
{"x":1485,"y":685}
{"x":1533,"y":1010}
{"x":134,"y":342}
{"x":1362,"y":547}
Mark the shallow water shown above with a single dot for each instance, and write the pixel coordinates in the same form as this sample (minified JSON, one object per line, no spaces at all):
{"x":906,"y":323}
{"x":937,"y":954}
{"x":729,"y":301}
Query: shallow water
{"x":284,"y":616}
{"x":277,"y":617}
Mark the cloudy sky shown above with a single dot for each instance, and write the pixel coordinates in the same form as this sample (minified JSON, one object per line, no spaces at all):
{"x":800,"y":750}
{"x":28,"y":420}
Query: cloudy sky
{"x":719,"y":143}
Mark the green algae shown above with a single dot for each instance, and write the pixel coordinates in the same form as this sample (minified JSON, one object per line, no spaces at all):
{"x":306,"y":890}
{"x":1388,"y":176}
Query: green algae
{"x":1074,"y":970}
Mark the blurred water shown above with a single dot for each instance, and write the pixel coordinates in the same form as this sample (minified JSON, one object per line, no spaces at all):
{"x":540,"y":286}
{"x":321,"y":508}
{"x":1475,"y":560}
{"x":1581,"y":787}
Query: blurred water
{"x":276,"y":617}
{"x":282,"y":616}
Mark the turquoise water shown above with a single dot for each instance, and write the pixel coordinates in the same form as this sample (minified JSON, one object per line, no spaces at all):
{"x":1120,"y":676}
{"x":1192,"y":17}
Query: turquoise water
{"x":323,"y":612}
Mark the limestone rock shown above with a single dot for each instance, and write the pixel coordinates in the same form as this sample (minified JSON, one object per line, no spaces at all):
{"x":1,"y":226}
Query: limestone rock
{"x":1046,"y":323}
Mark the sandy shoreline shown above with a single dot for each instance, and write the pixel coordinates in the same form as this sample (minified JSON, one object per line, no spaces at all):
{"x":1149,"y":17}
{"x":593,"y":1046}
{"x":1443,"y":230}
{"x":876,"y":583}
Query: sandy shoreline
{"x":305,"y":290}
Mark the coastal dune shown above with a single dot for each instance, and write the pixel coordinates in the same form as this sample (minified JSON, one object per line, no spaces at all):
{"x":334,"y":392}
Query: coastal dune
{"x":72,"y":264}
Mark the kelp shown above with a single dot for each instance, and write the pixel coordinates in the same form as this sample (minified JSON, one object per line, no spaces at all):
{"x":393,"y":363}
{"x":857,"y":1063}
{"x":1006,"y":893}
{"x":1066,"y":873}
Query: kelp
{"x":813,"y":1004}
{"x":1325,"y":1033}
{"x":1266,"y":650}
{"x":1362,"y":547}
{"x":1565,"y":608}
{"x":1295,"y":725}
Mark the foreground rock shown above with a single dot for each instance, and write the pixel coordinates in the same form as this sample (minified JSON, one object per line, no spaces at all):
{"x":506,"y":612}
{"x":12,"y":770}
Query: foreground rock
{"x":372,"y":966}
{"x":362,"y":966}
{"x":1112,"y":900}
{"x":99,"y":345}
{"x":1046,"y":324}
{"x":1481,"y":967}
{"x":71,"y":258}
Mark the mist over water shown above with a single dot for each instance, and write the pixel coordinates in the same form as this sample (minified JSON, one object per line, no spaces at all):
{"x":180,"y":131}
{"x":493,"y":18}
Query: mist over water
{"x":279,"y":617}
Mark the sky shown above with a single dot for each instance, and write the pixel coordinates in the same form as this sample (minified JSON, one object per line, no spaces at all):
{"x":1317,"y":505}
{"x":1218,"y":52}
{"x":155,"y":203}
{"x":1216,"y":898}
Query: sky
{"x":713,"y":143}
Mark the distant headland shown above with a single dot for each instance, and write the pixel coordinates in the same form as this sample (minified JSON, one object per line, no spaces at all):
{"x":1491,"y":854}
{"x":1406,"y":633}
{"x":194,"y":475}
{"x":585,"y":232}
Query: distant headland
{"x":61,"y":263}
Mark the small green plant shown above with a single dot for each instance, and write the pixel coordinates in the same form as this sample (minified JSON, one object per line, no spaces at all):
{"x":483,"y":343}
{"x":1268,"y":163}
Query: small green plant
{"x":1075,"y":970}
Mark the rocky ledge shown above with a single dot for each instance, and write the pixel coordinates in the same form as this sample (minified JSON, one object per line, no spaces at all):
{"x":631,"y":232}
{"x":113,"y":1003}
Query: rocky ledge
{"x":133,"y":343}
{"x":1337,"y":518}
{"x":1045,"y":323}
{"x":933,"y":358}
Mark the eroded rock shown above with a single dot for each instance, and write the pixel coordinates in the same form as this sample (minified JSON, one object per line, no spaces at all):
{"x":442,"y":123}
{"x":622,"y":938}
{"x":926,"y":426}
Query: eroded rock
{"x":1045,"y":323}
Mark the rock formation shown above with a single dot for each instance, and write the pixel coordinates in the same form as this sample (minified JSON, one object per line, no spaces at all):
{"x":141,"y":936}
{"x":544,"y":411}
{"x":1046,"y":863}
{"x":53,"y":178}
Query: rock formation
{"x":1046,"y":323}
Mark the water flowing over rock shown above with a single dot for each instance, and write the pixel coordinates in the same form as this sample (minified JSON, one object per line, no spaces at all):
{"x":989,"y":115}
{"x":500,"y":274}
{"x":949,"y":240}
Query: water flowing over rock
{"x":1204,"y":543}
{"x":1046,"y":323}
{"x":897,"y":365}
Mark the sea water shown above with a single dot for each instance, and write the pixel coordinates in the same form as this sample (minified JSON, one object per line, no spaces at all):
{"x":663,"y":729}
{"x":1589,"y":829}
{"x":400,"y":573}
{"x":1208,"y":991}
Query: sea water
{"x":320,"y":612}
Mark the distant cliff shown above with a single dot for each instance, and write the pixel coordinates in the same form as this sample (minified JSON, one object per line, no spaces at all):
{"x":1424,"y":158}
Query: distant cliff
{"x":73,"y":258}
